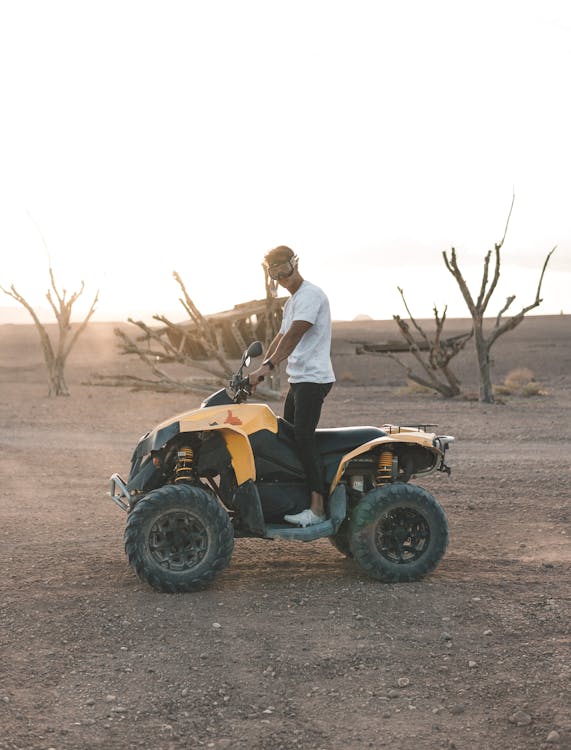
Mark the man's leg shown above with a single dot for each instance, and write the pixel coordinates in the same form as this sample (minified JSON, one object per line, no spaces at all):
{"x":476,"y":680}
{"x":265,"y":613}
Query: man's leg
{"x":289,"y":406}
{"x":308,"y":398}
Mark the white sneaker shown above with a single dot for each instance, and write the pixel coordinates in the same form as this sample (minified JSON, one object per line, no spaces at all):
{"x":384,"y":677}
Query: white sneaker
{"x":306,"y":518}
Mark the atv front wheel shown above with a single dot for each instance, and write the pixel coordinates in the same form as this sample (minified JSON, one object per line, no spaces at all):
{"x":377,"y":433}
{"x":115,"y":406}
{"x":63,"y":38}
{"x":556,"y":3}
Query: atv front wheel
{"x":178,"y":538}
{"x":398,"y":532}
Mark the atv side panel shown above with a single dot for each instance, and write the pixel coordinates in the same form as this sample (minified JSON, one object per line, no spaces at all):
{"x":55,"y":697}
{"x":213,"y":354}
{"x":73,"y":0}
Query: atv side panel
{"x":279,"y":498}
{"x":276,"y":457}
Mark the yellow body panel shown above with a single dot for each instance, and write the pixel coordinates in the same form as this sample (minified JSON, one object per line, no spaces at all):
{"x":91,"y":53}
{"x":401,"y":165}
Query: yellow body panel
{"x":244,"y":418}
{"x":235,"y":422}
{"x":425,"y":439}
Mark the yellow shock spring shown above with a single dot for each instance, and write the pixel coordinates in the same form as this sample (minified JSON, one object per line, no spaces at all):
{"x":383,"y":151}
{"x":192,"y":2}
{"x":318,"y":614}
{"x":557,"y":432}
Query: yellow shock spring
{"x":384,"y":468}
{"x":185,"y":465}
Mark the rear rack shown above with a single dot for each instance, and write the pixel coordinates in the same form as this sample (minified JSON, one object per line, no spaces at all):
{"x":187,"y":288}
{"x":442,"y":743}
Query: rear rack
{"x":392,"y":429}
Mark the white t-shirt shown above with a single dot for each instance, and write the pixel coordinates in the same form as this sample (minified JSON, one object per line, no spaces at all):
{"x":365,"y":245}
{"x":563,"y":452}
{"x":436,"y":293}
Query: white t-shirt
{"x":310,"y":361}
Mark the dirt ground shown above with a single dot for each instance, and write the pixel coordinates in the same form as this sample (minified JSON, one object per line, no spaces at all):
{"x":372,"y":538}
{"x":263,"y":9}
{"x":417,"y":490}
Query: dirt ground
{"x":292,"y":646}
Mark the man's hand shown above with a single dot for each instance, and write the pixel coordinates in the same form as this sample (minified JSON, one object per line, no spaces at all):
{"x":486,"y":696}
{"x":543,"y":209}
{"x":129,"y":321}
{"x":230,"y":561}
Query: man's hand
{"x":258,"y":375}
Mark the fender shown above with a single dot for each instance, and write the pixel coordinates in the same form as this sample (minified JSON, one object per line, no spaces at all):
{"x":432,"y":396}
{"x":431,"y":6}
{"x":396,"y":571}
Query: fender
{"x":235,"y":422}
{"x":424,"y":439}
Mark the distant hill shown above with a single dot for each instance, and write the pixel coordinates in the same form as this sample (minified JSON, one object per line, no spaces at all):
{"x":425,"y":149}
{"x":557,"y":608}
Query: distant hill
{"x":20,"y":315}
{"x":357,"y":318}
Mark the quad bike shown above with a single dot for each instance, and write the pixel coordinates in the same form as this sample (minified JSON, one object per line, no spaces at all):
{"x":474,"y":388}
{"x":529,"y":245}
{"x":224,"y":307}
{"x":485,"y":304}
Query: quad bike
{"x":230,"y":469}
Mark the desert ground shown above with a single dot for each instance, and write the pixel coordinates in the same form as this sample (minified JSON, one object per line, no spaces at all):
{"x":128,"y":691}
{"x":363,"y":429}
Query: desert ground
{"x":292,"y":646}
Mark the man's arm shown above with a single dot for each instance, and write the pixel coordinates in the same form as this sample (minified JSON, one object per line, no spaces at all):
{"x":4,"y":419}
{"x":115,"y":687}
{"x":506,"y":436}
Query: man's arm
{"x":280,"y":348}
{"x":274,"y":345}
{"x":289,"y":341}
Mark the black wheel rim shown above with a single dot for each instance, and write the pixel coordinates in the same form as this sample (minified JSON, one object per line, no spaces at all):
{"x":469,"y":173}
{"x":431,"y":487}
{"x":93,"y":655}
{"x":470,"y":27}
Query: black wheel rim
{"x":402,"y":535}
{"x":178,"y":541}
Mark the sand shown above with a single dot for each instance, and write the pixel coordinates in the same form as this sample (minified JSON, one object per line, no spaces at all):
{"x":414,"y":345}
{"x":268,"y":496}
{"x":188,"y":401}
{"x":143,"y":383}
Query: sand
{"x":292,"y":646}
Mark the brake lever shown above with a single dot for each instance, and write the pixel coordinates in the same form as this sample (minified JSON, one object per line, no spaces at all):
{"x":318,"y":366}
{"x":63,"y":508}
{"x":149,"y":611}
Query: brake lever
{"x":242,"y":388}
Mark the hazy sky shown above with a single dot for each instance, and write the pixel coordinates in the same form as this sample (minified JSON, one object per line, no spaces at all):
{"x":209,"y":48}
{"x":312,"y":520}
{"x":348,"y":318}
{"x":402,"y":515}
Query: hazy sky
{"x":142,"y":137}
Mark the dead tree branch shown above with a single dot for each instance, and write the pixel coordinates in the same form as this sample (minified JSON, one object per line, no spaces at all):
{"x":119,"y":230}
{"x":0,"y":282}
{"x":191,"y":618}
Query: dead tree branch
{"x":135,"y":383}
{"x":515,"y":320}
{"x":435,"y":366}
{"x":412,"y":320}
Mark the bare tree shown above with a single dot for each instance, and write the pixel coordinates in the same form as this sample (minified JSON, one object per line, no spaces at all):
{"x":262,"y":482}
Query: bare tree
{"x":478,"y":307}
{"x":170,"y":345}
{"x":435,"y":364}
{"x":55,"y":356}
{"x":204,"y":333}
{"x":156,"y":350}
{"x":177,"y":343}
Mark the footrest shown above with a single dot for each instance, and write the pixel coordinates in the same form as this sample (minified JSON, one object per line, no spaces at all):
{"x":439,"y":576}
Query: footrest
{"x":307,"y":534}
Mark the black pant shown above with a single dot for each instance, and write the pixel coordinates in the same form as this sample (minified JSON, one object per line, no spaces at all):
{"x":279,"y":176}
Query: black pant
{"x":303,"y":408}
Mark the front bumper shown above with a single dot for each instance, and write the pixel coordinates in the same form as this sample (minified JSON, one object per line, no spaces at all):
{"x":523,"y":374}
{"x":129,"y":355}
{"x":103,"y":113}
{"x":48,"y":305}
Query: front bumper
{"x":119,"y":493}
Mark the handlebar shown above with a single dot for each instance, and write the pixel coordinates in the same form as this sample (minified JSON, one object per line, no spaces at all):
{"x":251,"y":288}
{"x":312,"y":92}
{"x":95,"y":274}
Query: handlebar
{"x":241,"y":387}
{"x":239,"y":384}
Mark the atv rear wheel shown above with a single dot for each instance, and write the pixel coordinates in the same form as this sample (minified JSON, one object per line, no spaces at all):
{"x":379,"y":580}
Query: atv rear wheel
{"x":178,"y":538}
{"x":398,"y":532}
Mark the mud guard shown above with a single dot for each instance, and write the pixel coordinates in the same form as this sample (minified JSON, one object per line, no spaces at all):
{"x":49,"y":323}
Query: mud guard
{"x":247,"y":501}
{"x":338,"y":506}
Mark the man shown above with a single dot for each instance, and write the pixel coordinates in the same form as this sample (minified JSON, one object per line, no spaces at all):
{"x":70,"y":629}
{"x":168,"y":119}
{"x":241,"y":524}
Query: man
{"x":304,"y":339}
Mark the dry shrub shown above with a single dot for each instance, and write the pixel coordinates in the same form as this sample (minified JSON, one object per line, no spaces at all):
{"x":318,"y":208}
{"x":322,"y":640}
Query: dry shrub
{"x":532,"y":389}
{"x":519,"y":377}
{"x":520,"y":382}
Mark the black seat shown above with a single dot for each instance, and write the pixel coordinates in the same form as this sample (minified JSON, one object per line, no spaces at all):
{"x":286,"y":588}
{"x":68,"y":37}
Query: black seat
{"x":344,"y":439}
{"x":336,"y":439}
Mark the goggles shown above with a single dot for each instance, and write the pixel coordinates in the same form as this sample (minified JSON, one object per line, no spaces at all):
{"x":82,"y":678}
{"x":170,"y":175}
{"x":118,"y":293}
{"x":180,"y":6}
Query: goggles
{"x":282,"y":270}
